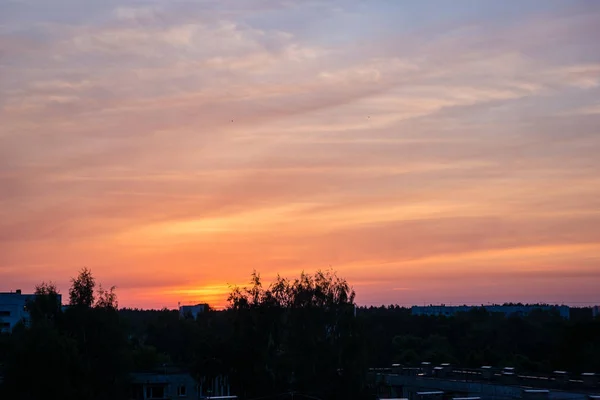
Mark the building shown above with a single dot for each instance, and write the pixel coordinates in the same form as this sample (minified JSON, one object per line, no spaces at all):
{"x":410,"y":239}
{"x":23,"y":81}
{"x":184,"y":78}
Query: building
{"x":596,"y":312}
{"x":468,"y":384}
{"x":163,"y":386}
{"x":507,"y":310}
{"x":171,"y":383}
{"x":192,"y":311}
{"x":13,"y":310}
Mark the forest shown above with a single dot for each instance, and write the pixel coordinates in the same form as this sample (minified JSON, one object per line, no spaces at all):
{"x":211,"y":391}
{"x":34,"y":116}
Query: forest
{"x":304,"y":334}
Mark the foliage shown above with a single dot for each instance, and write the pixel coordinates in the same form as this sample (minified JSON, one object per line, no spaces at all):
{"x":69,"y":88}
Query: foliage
{"x":303,"y":335}
{"x":46,"y":303}
{"x":541,"y":342}
{"x":81,"y":353}
{"x":41,"y":363}
{"x":107,"y":298}
{"x":81,"y":293}
{"x":297,"y":335}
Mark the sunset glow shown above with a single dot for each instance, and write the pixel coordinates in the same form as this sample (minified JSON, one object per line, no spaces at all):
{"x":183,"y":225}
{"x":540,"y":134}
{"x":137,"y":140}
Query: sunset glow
{"x":427,"y":151}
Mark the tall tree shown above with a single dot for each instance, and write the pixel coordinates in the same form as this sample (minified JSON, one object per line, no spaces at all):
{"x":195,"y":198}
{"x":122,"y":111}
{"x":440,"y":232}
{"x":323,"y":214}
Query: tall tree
{"x":95,"y":325}
{"x":81,"y":293}
{"x":297,"y":335}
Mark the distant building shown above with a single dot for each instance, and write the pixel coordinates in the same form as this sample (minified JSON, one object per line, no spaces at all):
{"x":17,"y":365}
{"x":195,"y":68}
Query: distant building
{"x":507,"y":310}
{"x":596,"y":311}
{"x":12,"y":309}
{"x":192,"y":311}
{"x":163,"y":386}
{"x":171,"y":384}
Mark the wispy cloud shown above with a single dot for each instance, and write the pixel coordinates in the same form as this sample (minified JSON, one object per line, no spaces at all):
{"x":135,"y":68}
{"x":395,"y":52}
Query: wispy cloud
{"x":196,"y":141}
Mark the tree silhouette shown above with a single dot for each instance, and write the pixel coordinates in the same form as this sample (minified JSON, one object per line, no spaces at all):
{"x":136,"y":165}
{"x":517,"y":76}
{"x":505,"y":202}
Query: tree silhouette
{"x":45,"y":304}
{"x":81,"y":293}
{"x":107,"y":298}
{"x":297,"y":334}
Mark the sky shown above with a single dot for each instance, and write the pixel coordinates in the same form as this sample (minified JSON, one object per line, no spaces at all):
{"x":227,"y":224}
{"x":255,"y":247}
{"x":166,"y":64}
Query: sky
{"x":429,"y":152}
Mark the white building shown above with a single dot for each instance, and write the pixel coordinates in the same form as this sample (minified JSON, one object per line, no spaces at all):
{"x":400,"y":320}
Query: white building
{"x":192,"y":311}
{"x":507,"y":310}
{"x":12,"y":309}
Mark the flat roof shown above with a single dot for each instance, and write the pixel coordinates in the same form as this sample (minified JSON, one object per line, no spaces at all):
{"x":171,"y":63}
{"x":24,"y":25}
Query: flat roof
{"x":157,"y":377}
{"x":15,"y":294}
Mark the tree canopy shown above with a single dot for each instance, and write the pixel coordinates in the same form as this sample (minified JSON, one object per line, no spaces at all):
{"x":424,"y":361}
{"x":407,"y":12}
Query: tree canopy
{"x":81,"y":353}
{"x":302,"y":335}
{"x":81,"y":293}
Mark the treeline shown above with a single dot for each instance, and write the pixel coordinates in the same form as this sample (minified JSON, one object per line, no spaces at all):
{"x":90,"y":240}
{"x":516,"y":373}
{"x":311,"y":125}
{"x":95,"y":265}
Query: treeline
{"x":78,"y":353}
{"x":541,"y":342}
{"x":295,"y":335}
{"x":303,"y":335}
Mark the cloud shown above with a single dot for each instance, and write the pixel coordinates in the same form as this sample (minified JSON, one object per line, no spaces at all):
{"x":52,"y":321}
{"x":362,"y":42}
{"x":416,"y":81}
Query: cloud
{"x":593,"y":109}
{"x":161,"y":136}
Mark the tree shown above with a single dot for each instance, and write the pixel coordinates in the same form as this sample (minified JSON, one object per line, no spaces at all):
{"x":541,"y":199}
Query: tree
{"x":45,"y":304}
{"x":107,"y":298}
{"x":297,"y":335}
{"x":81,"y":293}
{"x":95,"y":325}
{"x":42,"y":363}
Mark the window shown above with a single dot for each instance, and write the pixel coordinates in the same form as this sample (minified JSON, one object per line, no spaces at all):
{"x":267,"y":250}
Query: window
{"x":181,"y":391}
{"x":4,"y":313}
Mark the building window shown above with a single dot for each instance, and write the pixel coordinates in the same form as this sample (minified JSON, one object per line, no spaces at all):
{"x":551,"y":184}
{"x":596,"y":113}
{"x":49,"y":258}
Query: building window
{"x":4,"y":313}
{"x":155,"y":392}
{"x":181,"y":391}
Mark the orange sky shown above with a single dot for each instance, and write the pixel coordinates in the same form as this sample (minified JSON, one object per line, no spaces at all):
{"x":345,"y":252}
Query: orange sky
{"x":427,"y":152}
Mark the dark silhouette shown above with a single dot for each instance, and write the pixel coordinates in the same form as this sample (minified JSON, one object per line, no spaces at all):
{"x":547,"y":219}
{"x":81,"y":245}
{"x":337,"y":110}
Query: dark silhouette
{"x":81,"y":293}
{"x":304,"y":336}
{"x":81,"y":353}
